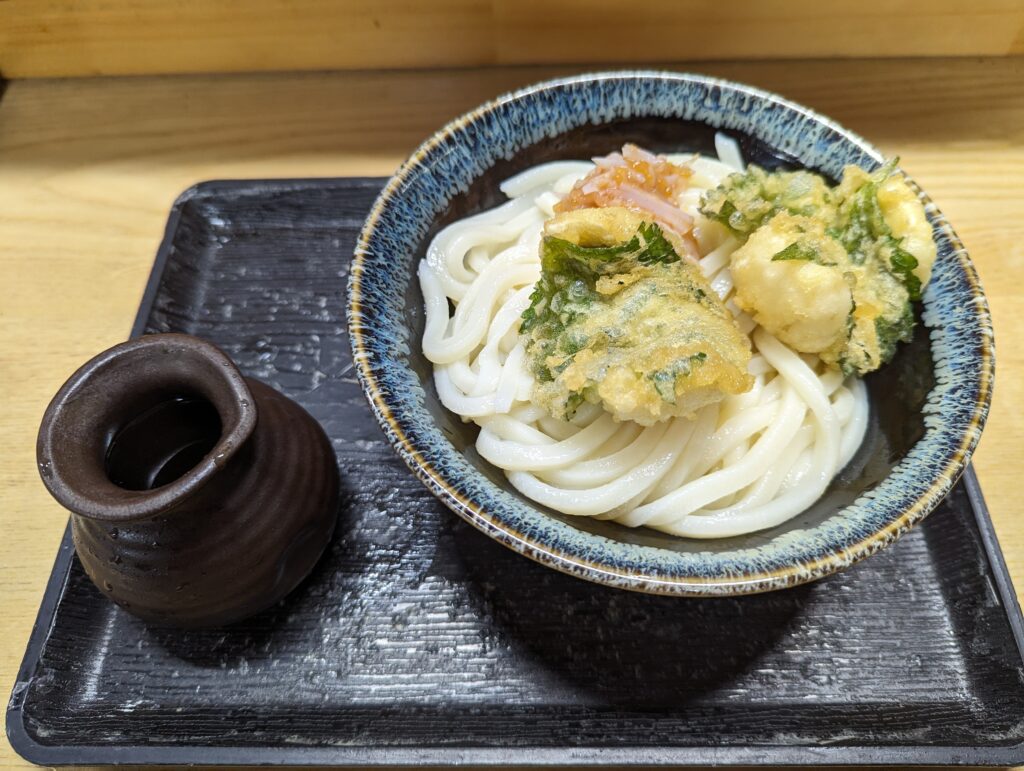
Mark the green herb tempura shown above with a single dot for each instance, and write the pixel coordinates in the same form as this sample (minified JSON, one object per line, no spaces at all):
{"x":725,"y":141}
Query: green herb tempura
{"x":618,"y":319}
{"x":828,"y":270}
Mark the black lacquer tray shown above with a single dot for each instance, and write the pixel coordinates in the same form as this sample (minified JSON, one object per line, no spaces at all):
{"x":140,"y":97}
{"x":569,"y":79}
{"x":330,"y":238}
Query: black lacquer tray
{"x":418,"y":640}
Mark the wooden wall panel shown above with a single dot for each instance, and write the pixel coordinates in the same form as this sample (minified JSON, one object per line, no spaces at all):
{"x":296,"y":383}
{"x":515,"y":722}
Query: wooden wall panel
{"x":45,"y":38}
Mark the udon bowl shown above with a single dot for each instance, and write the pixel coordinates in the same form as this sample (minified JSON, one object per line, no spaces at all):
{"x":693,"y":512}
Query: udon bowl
{"x":928,"y":406}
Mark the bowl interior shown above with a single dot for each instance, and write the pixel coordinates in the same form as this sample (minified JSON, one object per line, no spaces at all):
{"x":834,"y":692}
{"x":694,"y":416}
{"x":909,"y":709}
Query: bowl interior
{"x":897,"y":392}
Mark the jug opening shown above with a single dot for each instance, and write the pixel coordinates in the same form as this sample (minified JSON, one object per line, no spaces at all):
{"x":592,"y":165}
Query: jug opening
{"x":143,"y":427}
{"x":163,"y":443}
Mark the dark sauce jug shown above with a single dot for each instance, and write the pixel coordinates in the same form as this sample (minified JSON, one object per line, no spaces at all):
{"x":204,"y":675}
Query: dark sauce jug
{"x":197,"y":497}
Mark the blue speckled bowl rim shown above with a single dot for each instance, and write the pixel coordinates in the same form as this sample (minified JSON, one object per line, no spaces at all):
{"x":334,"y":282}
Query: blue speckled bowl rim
{"x":956,"y":312}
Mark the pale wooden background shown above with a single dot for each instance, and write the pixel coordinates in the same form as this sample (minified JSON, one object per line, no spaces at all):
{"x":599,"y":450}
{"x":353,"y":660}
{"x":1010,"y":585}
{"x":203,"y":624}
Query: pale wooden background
{"x":116,"y":37}
{"x":89,"y":167}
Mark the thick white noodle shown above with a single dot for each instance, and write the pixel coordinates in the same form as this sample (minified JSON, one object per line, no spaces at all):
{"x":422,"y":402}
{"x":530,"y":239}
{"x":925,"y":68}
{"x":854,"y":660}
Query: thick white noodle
{"x":748,"y":463}
{"x":728,"y":150}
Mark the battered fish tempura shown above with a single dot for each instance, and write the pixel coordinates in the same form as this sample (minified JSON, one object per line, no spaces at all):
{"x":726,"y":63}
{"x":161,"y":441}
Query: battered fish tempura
{"x":618,"y":319}
{"x":829,"y":271}
{"x":805,"y":303}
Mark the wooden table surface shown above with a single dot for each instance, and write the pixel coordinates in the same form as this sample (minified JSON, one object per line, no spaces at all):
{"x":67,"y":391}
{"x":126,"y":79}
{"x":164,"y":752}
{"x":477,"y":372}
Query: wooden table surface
{"x":89,"y":168}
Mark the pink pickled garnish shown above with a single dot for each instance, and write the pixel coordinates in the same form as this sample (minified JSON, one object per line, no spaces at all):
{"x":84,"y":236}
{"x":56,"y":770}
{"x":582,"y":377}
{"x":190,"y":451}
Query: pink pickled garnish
{"x":640,"y":181}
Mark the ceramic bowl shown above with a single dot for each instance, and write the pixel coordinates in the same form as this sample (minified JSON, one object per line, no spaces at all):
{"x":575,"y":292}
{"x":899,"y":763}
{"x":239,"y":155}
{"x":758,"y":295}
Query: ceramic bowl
{"x":928,"y":406}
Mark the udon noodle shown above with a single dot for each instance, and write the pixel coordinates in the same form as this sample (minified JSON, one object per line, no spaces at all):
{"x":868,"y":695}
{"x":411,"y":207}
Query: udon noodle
{"x":745,"y":464}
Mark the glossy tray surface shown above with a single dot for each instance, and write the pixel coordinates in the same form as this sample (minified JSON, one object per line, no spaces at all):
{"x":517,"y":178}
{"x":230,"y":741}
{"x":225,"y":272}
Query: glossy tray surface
{"x":418,"y":640}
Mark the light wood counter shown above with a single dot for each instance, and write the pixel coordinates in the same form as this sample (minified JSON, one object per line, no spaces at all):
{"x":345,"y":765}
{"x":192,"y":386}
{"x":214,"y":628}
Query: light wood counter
{"x":89,"y":168}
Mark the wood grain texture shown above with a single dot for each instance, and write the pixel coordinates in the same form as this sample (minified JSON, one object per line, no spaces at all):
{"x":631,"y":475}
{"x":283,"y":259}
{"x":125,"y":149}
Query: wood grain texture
{"x":88,"y":170}
{"x":46,"y":38}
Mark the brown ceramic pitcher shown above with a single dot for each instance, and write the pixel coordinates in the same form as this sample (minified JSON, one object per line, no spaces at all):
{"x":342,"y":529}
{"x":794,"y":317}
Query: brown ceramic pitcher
{"x":197,"y":497}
